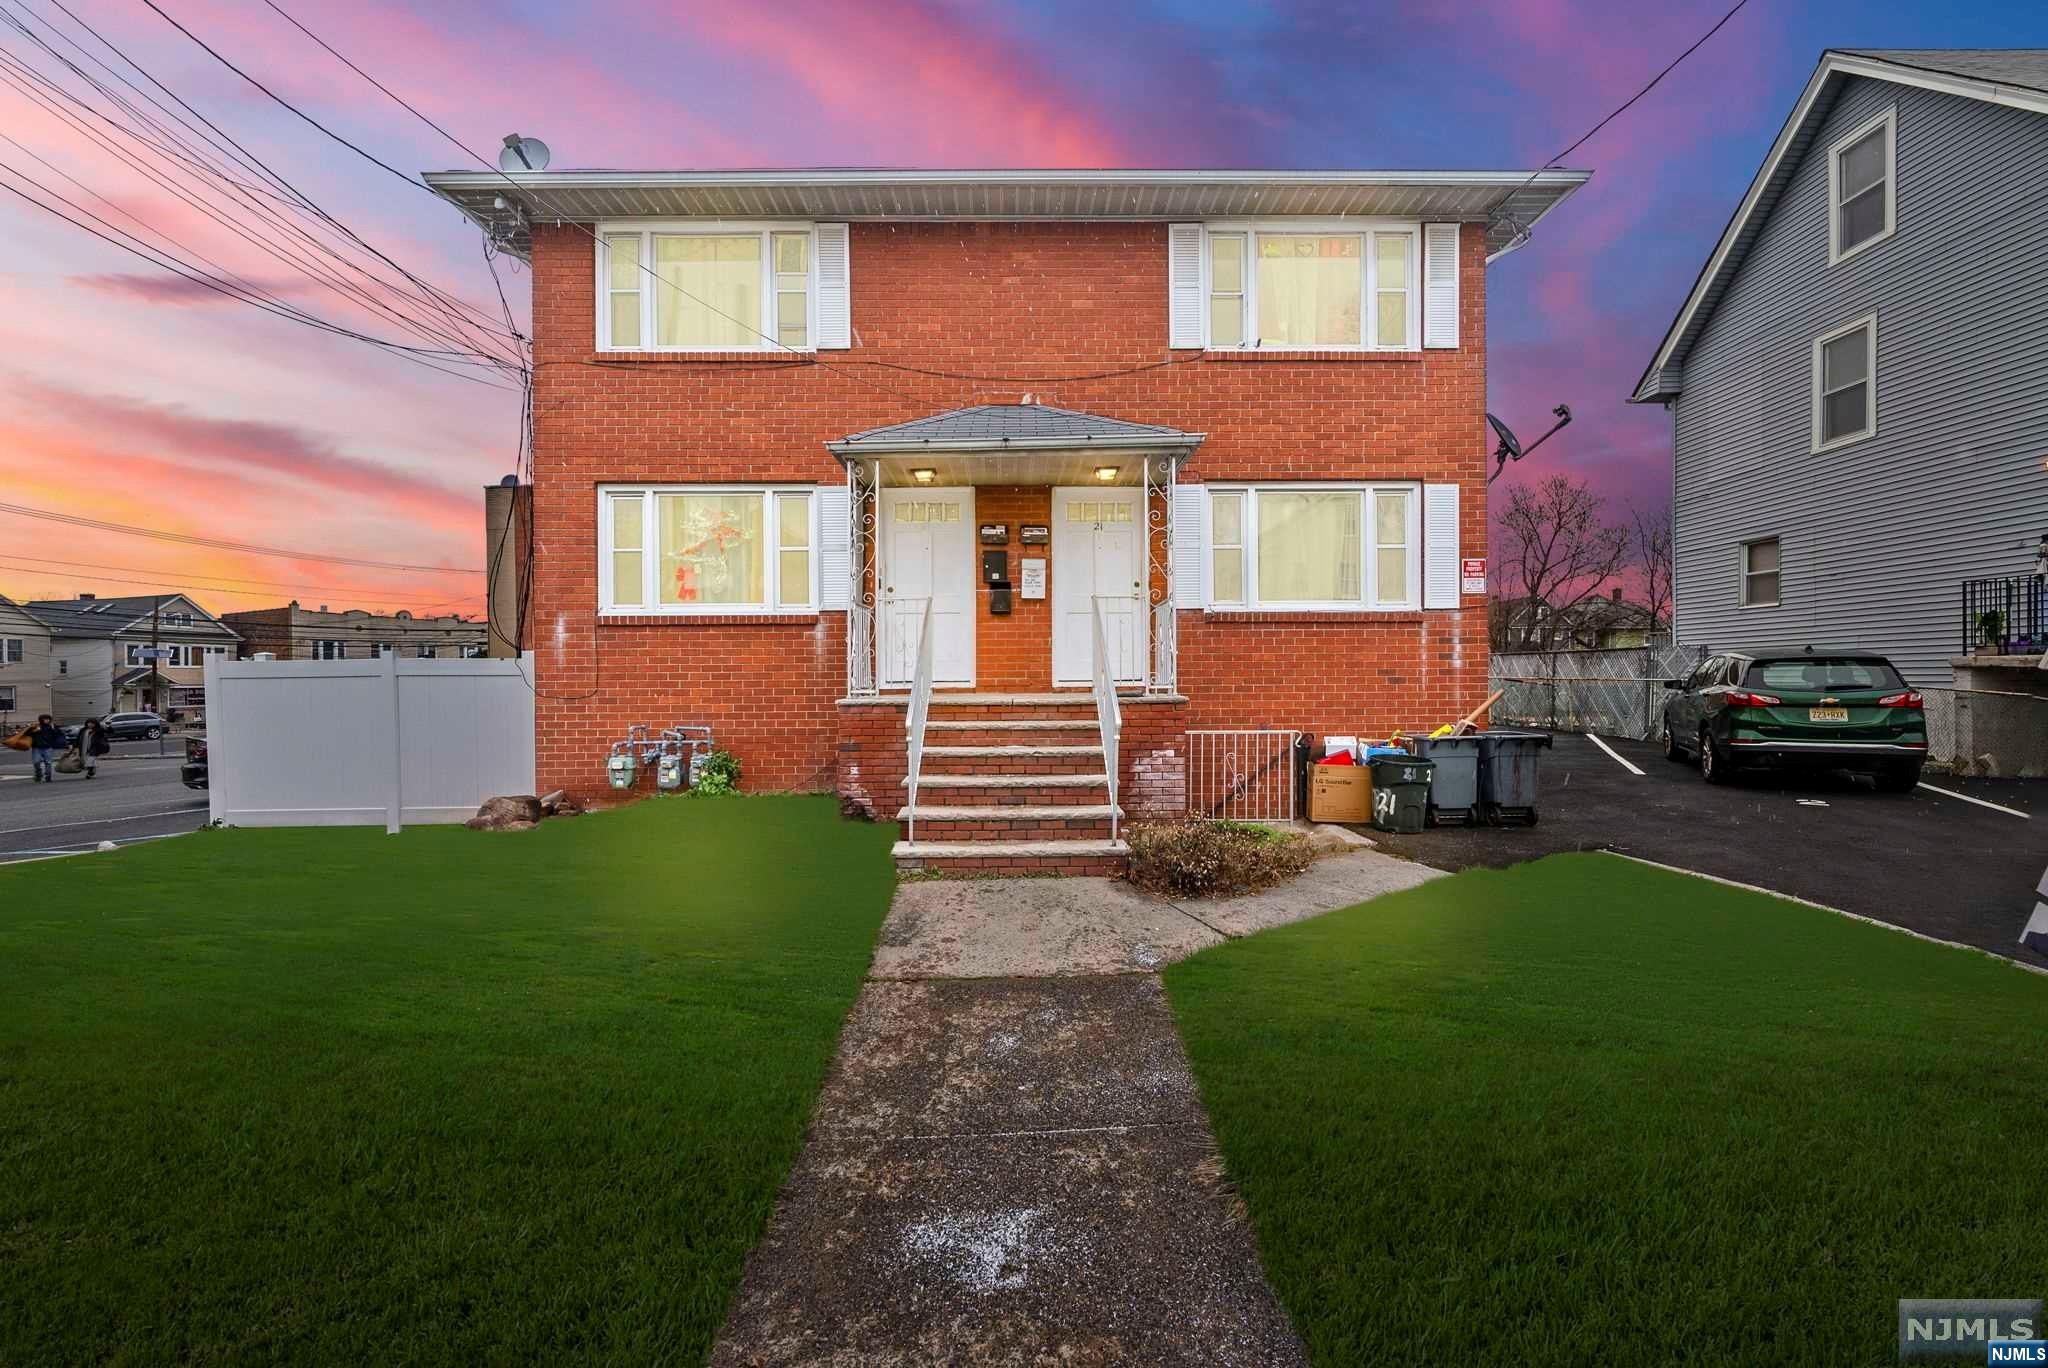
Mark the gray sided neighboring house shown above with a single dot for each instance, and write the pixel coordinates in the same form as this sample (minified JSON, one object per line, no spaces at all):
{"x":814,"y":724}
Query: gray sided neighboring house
{"x":1875,"y":534}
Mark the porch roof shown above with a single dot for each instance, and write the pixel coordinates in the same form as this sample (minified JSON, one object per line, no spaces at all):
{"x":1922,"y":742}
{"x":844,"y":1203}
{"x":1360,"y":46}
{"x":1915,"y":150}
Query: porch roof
{"x":1015,"y":444}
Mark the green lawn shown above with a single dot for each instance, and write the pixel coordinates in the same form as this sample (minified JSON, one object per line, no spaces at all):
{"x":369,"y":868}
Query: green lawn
{"x":1584,"y":1110}
{"x":337,"y":1096}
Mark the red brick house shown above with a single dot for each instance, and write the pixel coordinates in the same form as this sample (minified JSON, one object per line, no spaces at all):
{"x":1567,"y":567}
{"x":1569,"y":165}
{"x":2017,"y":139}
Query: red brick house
{"x":998,"y":484}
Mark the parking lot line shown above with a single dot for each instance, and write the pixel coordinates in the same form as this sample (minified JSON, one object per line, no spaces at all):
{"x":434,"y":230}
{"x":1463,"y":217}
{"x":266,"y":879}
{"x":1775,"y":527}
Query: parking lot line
{"x":1980,"y":802}
{"x":1614,"y":755}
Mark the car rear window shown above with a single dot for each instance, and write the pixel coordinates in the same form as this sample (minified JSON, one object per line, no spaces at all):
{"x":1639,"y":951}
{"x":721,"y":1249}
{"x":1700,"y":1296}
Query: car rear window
{"x":1823,"y":673}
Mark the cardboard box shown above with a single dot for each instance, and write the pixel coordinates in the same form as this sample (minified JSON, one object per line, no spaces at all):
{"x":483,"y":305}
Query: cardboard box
{"x":1339,"y":793}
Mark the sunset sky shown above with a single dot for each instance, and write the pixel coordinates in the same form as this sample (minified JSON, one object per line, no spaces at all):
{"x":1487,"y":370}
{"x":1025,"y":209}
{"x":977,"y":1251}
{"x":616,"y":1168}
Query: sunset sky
{"x":133,"y":397}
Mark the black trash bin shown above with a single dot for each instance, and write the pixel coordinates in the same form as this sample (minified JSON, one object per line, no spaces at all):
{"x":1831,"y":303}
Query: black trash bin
{"x":1507,"y":774}
{"x":1400,"y":792}
{"x":1454,"y":791}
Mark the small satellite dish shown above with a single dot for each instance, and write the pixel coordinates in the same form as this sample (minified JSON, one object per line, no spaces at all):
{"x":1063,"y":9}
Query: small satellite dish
{"x":523,"y":154}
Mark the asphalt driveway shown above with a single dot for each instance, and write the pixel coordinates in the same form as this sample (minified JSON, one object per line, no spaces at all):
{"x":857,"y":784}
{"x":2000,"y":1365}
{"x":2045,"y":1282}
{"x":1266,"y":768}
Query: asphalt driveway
{"x":1929,"y":861}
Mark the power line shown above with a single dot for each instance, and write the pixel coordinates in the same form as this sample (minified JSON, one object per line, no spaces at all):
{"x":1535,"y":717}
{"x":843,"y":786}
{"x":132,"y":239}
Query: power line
{"x":160,"y":534}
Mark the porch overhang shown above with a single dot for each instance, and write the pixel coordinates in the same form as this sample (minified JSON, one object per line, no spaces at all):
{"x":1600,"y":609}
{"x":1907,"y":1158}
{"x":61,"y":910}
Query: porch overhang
{"x":1016,"y":444}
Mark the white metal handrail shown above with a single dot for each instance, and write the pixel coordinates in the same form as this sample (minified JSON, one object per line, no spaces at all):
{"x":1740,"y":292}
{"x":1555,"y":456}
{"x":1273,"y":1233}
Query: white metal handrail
{"x":920,"y":706}
{"x":1109,"y":717}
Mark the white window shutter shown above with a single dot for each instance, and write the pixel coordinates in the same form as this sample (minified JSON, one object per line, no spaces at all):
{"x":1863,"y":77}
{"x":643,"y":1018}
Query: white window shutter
{"x":835,"y":549}
{"x":1440,"y":546}
{"x":835,"y":288}
{"x":1184,"y":284}
{"x":1440,"y":285}
{"x":1190,"y":534}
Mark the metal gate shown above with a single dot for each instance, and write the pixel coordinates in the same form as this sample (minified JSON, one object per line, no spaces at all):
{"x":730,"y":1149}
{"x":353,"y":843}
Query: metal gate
{"x":1243,"y":776}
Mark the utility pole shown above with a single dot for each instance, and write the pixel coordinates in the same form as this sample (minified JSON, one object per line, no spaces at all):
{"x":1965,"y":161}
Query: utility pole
{"x":156,"y":666}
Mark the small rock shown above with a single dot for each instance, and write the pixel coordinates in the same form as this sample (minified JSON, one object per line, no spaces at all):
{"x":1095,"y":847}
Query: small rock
{"x":106,"y":845}
{"x":562,"y":805}
{"x":518,"y":813}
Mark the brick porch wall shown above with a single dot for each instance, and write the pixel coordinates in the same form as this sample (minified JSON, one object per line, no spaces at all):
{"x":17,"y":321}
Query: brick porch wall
{"x":1033,"y":305}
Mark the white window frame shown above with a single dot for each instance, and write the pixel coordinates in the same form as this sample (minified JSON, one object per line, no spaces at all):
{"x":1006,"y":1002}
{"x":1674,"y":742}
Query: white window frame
{"x":1889,"y":120}
{"x":1743,"y":572}
{"x":13,"y":650}
{"x":1868,"y":324}
{"x":1368,"y":600}
{"x":650,"y":281}
{"x":650,"y":553}
{"x":1368,"y":305}
{"x":330,"y":648}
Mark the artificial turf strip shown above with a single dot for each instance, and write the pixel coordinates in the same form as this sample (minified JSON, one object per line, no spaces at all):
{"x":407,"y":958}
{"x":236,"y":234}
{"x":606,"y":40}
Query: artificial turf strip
{"x":442,"y":1097}
{"x":1586,"y":1111}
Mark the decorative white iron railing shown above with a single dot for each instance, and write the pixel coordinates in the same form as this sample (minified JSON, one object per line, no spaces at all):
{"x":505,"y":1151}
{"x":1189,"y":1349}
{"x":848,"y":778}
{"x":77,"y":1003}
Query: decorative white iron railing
{"x":1109,"y":718}
{"x":920,"y":707}
{"x":1243,"y":776}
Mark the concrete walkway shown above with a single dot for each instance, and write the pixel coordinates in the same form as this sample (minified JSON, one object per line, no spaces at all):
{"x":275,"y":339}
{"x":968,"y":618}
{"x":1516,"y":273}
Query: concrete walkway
{"x":1009,"y":1163}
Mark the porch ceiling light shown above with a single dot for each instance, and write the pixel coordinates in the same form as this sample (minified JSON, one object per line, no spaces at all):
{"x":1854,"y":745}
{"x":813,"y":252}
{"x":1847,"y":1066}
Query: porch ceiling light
{"x":924,"y":475}
{"x":1106,"y":473}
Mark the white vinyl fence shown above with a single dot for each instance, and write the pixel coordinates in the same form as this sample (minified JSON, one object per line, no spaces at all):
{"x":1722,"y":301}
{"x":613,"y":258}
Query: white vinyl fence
{"x":359,"y":742}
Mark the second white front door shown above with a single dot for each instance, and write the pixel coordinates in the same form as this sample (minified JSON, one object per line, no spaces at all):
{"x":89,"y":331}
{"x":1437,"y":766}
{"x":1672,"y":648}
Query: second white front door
{"x":927,"y":553}
{"x":1098,"y":554}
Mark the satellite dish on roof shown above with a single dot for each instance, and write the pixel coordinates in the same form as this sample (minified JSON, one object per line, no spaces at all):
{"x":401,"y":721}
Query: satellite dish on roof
{"x":523,"y":154}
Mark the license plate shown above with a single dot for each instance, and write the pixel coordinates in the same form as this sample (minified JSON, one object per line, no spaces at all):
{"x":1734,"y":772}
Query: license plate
{"x":1827,"y":714}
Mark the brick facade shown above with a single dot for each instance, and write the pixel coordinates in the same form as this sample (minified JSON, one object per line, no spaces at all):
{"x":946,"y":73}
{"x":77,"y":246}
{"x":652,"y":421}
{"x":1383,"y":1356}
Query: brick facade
{"x":1045,"y":309}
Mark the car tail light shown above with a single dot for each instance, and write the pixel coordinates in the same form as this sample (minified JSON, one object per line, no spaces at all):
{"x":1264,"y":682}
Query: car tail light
{"x":1739,"y":699}
{"x":1909,"y":699}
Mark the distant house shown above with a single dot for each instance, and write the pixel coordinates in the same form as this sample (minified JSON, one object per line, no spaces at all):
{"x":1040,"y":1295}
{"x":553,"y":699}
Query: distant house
{"x":1856,"y":379}
{"x":24,"y":665}
{"x":296,"y":633}
{"x":1601,"y":622}
{"x":100,"y":661}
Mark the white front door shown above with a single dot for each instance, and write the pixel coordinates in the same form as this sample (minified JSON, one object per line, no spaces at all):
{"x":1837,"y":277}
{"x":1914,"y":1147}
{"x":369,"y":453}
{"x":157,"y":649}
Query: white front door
{"x":927,"y":553}
{"x":1098,"y":551}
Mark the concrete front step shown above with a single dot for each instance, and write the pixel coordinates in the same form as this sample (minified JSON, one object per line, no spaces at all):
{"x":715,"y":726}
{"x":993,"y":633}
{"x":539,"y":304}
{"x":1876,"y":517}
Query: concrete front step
{"x":1010,"y":732}
{"x":999,"y":824}
{"x":1013,"y":724}
{"x":1013,"y":857}
{"x":1012,"y":760}
{"x":1022,"y":790}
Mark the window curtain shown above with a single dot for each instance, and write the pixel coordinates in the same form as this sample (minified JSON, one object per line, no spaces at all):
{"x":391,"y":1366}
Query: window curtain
{"x":1309,"y":290}
{"x":711,"y":291}
{"x":711,"y":549}
{"x":1309,"y":547}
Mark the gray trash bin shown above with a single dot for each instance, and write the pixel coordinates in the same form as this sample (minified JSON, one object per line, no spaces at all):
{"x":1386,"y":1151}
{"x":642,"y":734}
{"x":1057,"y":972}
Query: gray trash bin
{"x":1507,"y":774}
{"x":1454,"y":793}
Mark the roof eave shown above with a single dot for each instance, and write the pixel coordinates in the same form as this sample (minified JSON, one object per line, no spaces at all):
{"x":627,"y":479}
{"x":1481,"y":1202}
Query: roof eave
{"x":1186,"y":442}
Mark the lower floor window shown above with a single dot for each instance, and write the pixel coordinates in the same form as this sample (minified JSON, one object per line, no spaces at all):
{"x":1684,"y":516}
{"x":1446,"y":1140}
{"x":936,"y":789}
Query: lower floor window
{"x":1314,"y":546}
{"x":701,"y":549}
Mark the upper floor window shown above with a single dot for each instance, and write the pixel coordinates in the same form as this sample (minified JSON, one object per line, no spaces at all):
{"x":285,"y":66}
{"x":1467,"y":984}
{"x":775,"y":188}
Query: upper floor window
{"x":703,"y":549}
{"x":1285,"y":288}
{"x":1861,"y":185}
{"x":11,"y":649}
{"x":328,"y":650}
{"x":1845,"y":384}
{"x":719,"y":287}
{"x":1315,"y":547}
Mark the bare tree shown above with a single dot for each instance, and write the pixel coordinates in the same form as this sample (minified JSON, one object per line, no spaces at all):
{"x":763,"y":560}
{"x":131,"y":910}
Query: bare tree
{"x":1653,"y":560}
{"x":1554,"y":552}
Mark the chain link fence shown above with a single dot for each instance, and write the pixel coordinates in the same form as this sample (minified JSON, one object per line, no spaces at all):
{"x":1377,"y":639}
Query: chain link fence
{"x":1614,"y":693}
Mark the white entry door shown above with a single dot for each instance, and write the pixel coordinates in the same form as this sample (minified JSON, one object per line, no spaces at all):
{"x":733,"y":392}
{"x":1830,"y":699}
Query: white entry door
{"x":1098,"y":549}
{"x":927,"y":553}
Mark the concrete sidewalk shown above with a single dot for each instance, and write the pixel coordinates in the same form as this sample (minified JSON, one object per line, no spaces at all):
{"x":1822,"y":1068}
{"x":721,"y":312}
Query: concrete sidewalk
{"x":1009,"y":1162}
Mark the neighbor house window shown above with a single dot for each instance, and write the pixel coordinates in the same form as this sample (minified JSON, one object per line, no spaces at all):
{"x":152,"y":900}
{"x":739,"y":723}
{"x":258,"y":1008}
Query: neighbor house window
{"x":327,"y":650}
{"x":7,"y":698}
{"x":1760,"y":573}
{"x":382,"y":648}
{"x":1315,"y":547}
{"x":707,"y":289}
{"x":1293,"y":290}
{"x":426,"y":653}
{"x":1845,"y":384}
{"x":11,"y":651}
{"x":688,"y":549}
{"x":1861,"y":184}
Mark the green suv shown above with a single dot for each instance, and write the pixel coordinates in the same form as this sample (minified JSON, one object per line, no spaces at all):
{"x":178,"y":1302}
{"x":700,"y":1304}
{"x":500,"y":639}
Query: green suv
{"x":1816,"y":710}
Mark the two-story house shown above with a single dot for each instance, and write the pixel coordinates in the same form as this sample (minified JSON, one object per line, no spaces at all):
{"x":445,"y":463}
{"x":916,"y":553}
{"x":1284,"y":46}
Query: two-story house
{"x":971,"y":494}
{"x":1856,"y":380}
{"x":298,"y":633}
{"x":24,"y":665}
{"x":101,"y":661}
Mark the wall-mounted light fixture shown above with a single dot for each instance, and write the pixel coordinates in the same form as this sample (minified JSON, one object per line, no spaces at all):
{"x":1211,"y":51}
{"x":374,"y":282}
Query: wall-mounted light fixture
{"x":924,"y":475}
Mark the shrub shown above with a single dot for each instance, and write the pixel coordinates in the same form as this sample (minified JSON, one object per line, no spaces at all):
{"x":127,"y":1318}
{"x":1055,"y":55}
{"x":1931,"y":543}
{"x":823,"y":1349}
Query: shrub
{"x":1203,"y":859}
{"x":720,"y":774}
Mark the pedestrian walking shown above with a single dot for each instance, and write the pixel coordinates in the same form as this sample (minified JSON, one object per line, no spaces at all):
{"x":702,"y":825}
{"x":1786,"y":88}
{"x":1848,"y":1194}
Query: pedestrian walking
{"x":92,"y":744}
{"x":46,"y":743}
